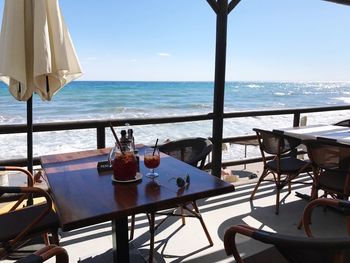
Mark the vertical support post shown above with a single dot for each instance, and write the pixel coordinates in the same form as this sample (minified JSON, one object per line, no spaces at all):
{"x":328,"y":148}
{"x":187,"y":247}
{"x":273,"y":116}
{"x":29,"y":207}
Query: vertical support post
{"x":101,"y":137}
{"x":30,"y":134}
{"x":296,"y":119}
{"x":219,"y":85}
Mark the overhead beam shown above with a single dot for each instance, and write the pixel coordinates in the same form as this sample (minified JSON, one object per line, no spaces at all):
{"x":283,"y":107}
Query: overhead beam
{"x":343,"y":2}
{"x":232,"y":5}
{"x":214,"y":5}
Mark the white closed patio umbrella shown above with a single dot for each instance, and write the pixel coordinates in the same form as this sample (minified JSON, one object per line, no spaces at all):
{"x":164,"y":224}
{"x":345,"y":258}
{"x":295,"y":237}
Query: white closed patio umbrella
{"x":36,"y":54}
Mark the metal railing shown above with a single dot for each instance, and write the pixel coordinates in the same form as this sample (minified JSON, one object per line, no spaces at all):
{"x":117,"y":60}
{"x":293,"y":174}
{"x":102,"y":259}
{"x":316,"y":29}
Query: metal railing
{"x":100,"y":126}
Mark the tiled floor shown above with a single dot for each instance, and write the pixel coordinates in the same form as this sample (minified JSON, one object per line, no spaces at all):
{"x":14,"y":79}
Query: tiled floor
{"x":176,"y":243}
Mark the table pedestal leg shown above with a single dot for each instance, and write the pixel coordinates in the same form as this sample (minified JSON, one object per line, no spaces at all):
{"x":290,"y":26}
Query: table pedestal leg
{"x":120,"y":240}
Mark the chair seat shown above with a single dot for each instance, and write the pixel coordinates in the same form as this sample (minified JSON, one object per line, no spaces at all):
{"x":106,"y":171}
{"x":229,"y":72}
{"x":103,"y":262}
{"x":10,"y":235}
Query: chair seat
{"x":31,"y":259}
{"x":287,"y":165}
{"x":332,"y":181}
{"x":29,"y":214}
{"x":268,"y":255}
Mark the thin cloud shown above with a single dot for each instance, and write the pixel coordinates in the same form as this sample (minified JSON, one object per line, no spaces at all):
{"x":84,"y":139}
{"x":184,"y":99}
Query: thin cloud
{"x":88,"y":60}
{"x":163,"y":54}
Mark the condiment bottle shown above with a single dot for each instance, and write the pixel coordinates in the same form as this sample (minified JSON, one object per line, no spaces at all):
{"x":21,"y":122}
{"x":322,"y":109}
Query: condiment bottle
{"x":124,"y":142}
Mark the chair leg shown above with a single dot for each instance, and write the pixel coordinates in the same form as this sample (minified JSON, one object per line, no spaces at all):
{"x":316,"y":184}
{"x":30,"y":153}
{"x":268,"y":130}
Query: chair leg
{"x":278,"y":192}
{"x":277,"y":200}
{"x":46,"y":239}
{"x":314,"y":192}
{"x":348,"y":224}
{"x":313,"y":196}
{"x":182,"y":215}
{"x":289,"y":186}
{"x":55,"y":238}
{"x":151,"y":231}
{"x":202,"y":223}
{"x":262,"y":177}
{"x":132,"y":227}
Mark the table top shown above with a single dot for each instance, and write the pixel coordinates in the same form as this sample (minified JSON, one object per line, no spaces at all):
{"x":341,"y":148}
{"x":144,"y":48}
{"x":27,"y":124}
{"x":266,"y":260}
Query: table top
{"x":83,"y":196}
{"x":331,"y":132}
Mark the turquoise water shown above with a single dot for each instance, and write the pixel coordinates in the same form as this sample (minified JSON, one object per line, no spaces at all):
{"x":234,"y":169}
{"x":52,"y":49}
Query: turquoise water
{"x":83,"y":100}
{"x":95,"y":100}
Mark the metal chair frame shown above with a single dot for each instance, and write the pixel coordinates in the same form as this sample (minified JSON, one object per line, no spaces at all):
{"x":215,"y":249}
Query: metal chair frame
{"x":334,"y":248}
{"x":284,"y":155}
{"x":197,"y":161}
{"x":7,"y":246}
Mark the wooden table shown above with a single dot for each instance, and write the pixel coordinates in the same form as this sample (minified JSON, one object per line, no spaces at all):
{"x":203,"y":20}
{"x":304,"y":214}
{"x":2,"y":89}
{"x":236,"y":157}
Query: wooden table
{"x":84,"y":197}
{"x":330,"y":132}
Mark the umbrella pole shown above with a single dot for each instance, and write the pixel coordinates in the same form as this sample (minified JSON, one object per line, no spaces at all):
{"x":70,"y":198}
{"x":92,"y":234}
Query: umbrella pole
{"x":30,"y":134}
{"x":30,"y":141}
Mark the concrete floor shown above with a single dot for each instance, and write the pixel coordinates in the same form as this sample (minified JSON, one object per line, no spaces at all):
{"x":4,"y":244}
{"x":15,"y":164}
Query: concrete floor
{"x":177,"y":243}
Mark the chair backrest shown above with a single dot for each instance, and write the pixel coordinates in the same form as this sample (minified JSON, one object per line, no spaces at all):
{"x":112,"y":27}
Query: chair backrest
{"x":190,"y":150}
{"x":345,"y":123}
{"x":45,"y":254}
{"x":293,"y":249}
{"x":17,"y":223}
{"x":301,"y":249}
{"x":329,"y":155}
{"x":275,"y":143}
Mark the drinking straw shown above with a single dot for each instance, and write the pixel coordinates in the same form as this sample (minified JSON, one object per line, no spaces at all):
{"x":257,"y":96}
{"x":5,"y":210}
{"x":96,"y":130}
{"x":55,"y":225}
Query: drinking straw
{"x":116,"y":137}
{"x":155,"y":147}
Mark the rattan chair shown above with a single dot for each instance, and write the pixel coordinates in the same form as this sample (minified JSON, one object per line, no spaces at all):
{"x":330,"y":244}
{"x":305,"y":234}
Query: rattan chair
{"x":331,"y":163}
{"x":19,"y":224}
{"x":283,"y":164}
{"x":46,"y":253}
{"x":341,"y":205}
{"x":193,"y":151}
{"x":294,"y":249}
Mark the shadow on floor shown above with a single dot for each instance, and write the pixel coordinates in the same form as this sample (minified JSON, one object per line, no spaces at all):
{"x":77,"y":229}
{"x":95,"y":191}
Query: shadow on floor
{"x":257,"y":213}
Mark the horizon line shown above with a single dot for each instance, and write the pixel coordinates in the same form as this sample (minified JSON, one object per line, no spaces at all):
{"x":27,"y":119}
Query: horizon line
{"x":212,"y":81}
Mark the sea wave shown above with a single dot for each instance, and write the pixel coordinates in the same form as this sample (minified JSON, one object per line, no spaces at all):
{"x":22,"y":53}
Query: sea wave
{"x":120,"y":100}
{"x":343,"y":99}
{"x":68,"y":141}
{"x":254,"y":86}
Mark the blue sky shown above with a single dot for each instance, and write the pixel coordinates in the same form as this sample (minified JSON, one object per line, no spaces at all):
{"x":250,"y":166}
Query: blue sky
{"x":268,"y":40}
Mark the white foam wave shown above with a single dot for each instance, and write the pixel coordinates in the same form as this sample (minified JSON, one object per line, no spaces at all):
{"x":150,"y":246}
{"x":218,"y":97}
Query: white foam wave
{"x":253,"y":86}
{"x":69,"y":141}
{"x":279,"y":93}
{"x":344,"y":99}
{"x":2,"y":119}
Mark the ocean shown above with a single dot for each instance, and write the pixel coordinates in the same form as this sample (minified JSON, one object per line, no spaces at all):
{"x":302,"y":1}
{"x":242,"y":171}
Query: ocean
{"x":88,"y":100}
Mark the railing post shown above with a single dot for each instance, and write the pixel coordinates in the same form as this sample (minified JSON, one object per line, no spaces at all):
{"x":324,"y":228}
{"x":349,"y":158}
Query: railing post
{"x":101,"y":137}
{"x":296,"y":119}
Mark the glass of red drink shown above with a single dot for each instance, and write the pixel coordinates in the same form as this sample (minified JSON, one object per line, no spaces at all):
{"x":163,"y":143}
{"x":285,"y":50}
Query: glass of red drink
{"x":151,"y":160}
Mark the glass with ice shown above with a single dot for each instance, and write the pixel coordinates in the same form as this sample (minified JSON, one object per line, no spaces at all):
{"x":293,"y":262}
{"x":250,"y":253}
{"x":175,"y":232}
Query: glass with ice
{"x":152,"y":161}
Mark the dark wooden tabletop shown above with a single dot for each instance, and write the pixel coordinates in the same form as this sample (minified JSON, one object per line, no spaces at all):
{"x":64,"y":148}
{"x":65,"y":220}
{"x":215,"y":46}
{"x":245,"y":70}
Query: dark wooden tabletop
{"x":83,"y":196}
